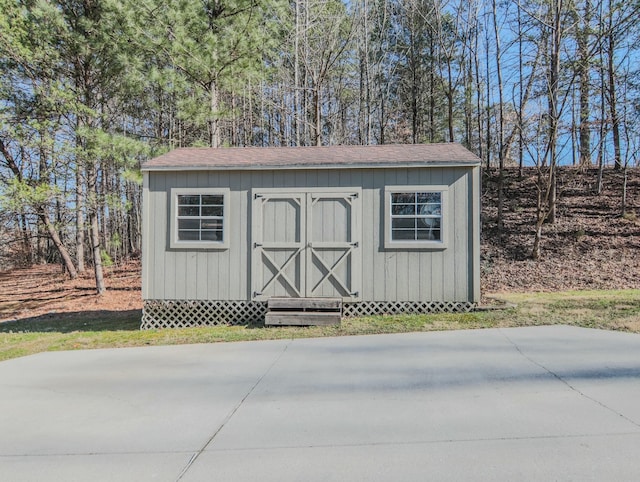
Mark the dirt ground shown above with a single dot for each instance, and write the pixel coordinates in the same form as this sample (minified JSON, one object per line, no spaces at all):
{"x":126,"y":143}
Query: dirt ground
{"x":589,"y":247}
{"x":43,"y":291}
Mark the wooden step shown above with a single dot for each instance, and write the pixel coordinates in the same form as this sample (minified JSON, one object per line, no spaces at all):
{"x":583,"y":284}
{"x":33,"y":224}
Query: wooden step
{"x":302,"y":318}
{"x":305,"y":304}
{"x":303,"y":311}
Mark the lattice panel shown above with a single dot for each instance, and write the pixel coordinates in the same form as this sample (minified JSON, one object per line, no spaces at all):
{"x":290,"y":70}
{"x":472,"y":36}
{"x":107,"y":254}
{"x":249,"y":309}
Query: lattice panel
{"x":188,"y":313}
{"x":370,"y":308}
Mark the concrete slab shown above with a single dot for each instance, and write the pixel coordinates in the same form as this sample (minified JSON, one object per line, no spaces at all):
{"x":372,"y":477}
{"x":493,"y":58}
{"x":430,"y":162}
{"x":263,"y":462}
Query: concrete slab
{"x":161,"y":467}
{"x":155,"y":399}
{"x":610,"y":458}
{"x":528,"y":403}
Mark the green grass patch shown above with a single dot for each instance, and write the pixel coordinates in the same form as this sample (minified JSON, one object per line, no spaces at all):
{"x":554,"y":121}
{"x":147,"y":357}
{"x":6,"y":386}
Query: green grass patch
{"x":613,"y":310}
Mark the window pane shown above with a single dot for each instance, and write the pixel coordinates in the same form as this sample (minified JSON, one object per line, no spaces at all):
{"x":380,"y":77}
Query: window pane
{"x":403,"y":209}
{"x":214,"y":200}
{"x":212,"y":235}
{"x":211,"y":224}
{"x":403,"y":223}
{"x":403,"y":197}
{"x":188,"y":211}
{"x":183,"y":199}
{"x":188,"y":235}
{"x":188,"y":224}
{"x":403,"y":234}
{"x":430,"y":209}
{"x":212,"y":210}
{"x":428,"y":197}
{"x":429,"y":223}
{"x":429,"y":234}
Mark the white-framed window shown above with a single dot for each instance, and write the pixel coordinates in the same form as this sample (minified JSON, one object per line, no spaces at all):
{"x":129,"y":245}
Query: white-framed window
{"x":199,"y":218}
{"x":415,"y":217}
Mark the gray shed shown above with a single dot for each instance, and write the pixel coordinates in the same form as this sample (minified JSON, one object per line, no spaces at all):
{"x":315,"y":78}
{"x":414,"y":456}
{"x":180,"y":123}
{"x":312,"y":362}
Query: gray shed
{"x":379,"y":229}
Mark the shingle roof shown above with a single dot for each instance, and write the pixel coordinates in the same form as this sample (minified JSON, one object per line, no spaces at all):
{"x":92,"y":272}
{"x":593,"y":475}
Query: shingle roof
{"x":388,"y":155}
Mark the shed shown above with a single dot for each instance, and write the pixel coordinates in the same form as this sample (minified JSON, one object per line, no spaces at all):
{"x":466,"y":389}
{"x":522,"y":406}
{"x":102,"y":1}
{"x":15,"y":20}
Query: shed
{"x":382,"y":229}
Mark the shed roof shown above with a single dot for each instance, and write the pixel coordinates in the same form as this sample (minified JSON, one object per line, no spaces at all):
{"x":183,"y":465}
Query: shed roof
{"x":252,"y":158}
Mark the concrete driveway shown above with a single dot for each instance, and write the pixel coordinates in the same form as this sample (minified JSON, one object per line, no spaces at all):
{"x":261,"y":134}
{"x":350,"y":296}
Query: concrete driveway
{"x":544,"y":403}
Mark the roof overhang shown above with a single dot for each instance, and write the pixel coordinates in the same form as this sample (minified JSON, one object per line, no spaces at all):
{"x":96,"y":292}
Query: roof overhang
{"x":306,"y":166}
{"x":387,"y":156}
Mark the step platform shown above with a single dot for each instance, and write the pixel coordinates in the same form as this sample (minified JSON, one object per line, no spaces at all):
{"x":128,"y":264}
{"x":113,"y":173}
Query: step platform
{"x":303,"y":312}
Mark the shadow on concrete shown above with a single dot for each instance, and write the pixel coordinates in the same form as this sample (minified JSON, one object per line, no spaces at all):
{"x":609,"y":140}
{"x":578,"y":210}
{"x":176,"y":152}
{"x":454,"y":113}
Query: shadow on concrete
{"x":99,"y":320}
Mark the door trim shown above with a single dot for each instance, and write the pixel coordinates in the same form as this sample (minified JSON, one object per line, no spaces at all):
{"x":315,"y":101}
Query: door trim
{"x":306,"y":245}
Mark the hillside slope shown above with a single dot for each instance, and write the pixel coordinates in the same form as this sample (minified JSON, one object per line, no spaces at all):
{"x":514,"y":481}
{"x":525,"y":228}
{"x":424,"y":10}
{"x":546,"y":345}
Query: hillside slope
{"x":590,"y":246}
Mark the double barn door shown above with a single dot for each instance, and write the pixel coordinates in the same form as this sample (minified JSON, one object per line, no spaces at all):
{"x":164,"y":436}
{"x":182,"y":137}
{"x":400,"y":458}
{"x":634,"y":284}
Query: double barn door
{"x":306,"y":244}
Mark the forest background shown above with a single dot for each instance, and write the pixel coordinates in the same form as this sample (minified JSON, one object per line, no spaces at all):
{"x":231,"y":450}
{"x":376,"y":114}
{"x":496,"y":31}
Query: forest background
{"x":90,"y":89}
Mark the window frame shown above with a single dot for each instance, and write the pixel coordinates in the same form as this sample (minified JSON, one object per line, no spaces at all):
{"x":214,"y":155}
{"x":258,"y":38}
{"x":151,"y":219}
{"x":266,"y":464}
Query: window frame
{"x":429,"y":244}
{"x":176,"y":243}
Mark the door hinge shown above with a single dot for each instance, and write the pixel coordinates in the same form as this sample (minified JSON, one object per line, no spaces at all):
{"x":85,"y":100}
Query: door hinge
{"x":256,"y":294}
{"x":257,"y":196}
{"x":354,"y":244}
{"x":257,"y":245}
{"x":355,"y":294}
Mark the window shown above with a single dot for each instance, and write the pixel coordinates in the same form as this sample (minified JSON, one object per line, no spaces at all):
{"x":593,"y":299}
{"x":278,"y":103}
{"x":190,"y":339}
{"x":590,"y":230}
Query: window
{"x":414,"y":217}
{"x":199,"y":218}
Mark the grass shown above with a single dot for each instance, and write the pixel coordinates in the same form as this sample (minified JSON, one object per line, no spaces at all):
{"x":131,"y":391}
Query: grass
{"x":612,"y":310}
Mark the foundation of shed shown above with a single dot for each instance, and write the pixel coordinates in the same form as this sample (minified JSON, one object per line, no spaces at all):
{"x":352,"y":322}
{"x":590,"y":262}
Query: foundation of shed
{"x":188,"y":313}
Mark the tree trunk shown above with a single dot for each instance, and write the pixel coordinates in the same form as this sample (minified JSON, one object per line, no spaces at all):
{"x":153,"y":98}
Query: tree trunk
{"x":603,"y":127}
{"x":94,"y":230}
{"x":79,"y":220}
{"x":96,"y":252}
{"x":317,"y":116}
{"x":553,"y":195}
{"x":413,"y":61}
{"x":520,"y":95}
{"x":554,"y":83}
{"x":540,"y":215}
{"x":468,"y":104}
{"x":623,"y":208}
{"x":55,"y":238}
{"x":476,"y":62}
{"x":500,"y":122}
{"x":26,"y":239}
{"x":297,"y":108}
{"x":613,"y":108}
{"x":214,"y":121}
{"x":488,"y":100}
{"x":449,"y":95}
{"x":584,"y":136}
{"x":598,"y":188}
{"x":432,"y":90}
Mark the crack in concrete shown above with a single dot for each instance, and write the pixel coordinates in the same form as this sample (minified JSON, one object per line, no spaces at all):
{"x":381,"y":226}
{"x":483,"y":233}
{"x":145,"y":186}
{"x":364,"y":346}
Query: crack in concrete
{"x":230,"y":415}
{"x":431,"y":442}
{"x":565,"y":382}
{"x":95,"y":454}
{"x":336,"y":445}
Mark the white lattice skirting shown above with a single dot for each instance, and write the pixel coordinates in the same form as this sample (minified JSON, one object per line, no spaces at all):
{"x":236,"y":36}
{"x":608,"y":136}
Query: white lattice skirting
{"x":187,"y":313}
{"x":372,"y":308}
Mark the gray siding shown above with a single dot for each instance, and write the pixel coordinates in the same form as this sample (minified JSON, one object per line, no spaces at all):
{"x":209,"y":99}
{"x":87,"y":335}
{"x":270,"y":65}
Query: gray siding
{"x":451,"y":274}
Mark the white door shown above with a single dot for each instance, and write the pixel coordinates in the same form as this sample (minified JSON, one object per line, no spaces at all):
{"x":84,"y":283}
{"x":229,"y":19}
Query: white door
{"x":306,"y":244}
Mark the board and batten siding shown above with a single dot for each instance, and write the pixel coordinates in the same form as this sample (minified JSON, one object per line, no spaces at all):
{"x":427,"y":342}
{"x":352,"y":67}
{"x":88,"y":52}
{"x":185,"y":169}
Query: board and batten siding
{"x":450,"y":274}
